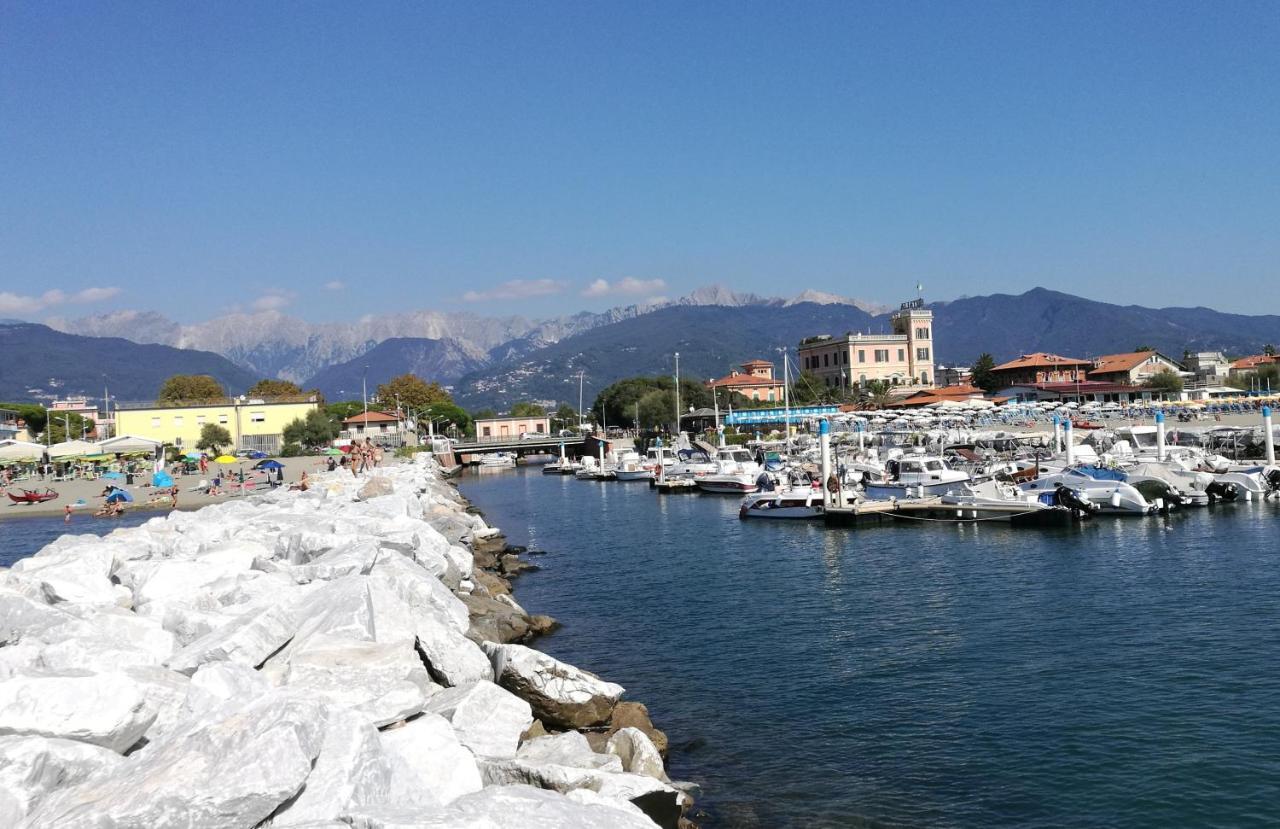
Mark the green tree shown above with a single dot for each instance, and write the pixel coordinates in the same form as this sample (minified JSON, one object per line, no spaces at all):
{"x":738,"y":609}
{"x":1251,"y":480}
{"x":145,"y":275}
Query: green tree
{"x":617,"y":402}
{"x":1164,"y":382}
{"x":313,"y":431}
{"x":656,"y":408}
{"x":809,"y":389}
{"x":1269,"y":350}
{"x":213,"y":437}
{"x":181,"y":388}
{"x":270,"y":387}
{"x":565,"y":416}
{"x":483,"y":414}
{"x":877,"y":393}
{"x":526,"y":409}
{"x":445,"y":414}
{"x":1144,"y":348}
{"x":982,"y":374}
{"x":57,"y":425}
{"x":412,"y":392}
{"x":344,"y":409}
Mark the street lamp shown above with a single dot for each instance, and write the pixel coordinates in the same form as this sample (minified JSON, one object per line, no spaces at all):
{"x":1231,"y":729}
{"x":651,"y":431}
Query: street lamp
{"x":364,"y":394}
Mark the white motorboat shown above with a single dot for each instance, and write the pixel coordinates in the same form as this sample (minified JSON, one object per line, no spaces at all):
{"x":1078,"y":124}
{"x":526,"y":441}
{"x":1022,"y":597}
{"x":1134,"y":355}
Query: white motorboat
{"x":913,"y":476}
{"x":631,"y":467}
{"x":994,"y":500}
{"x":793,"y":503}
{"x":735,"y":473}
{"x":1104,"y":488}
{"x":498,"y":460}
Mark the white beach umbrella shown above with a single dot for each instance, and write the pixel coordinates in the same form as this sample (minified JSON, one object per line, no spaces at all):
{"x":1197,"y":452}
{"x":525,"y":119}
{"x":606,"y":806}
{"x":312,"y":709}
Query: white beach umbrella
{"x":20,"y":450}
{"x":73,"y":449}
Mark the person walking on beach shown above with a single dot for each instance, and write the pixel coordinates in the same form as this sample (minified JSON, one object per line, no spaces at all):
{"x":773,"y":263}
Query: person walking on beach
{"x":66,"y":514}
{"x":173,"y":493}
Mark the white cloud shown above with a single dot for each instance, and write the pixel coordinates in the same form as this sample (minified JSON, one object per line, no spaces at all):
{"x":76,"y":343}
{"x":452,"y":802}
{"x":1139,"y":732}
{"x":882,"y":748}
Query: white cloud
{"x":11,"y":303}
{"x":627,"y":286}
{"x":334,"y":285}
{"x":517,"y":289}
{"x":273,"y":301}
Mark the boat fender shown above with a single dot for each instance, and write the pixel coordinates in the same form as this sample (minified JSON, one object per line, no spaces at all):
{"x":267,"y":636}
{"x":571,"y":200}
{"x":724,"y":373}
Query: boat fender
{"x":833,"y":483}
{"x":1115,"y":499}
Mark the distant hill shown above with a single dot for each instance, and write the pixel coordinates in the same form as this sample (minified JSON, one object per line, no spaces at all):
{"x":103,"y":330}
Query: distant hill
{"x":1043,"y":320}
{"x":712,"y":339}
{"x":443,"y":361}
{"x":38,"y":362}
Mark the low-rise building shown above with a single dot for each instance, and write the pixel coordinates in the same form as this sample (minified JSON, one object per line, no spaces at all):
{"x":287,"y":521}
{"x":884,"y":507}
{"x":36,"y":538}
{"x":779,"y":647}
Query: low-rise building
{"x":1033,"y":369}
{"x":755,"y":382}
{"x":253,"y":423}
{"x":901,"y":358}
{"x":953,"y":375}
{"x":8,"y":425}
{"x":1247,"y":365}
{"x":1209,"y":367}
{"x":1133,"y":367}
{"x":943,"y":394}
{"x":511,"y":428}
{"x":383,"y":428}
{"x":1083,"y":391}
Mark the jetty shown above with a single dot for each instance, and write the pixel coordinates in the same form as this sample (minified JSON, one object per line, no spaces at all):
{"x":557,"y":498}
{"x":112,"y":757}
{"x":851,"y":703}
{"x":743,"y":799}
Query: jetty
{"x":347,"y":655}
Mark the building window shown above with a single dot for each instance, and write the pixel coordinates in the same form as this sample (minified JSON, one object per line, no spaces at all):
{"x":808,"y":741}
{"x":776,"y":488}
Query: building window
{"x":922,"y":353}
{"x":488,"y":432}
{"x":902,"y":355}
{"x":882,"y":355}
{"x":826,"y":360}
{"x":862,"y":356}
{"x":257,"y":417}
{"x":222,"y":419}
{"x":924,"y":378}
{"x":844,"y":357}
{"x":862,"y":379}
{"x":922,"y":333}
{"x":155,"y":423}
{"x":541,"y":428}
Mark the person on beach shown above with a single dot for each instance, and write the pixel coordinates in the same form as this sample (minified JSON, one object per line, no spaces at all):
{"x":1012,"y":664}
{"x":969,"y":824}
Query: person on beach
{"x":377,"y":456}
{"x":66,"y":514}
{"x":331,"y":464}
{"x":303,"y":483}
{"x":173,"y":493}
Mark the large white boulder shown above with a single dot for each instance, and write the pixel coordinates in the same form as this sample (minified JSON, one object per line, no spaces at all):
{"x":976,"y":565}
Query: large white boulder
{"x":108,"y":710}
{"x":249,"y":638}
{"x":384,"y":682}
{"x":561,"y":695}
{"x":106,"y":639}
{"x":80,"y":574}
{"x":504,"y":807}
{"x":569,"y":748}
{"x":426,"y":757}
{"x":487,"y":719}
{"x":22,"y":616}
{"x":638,"y":753}
{"x":216,"y":684}
{"x":351,"y":769}
{"x":419,"y":588}
{"x":31,"y":767}
{"x":232,"y":771}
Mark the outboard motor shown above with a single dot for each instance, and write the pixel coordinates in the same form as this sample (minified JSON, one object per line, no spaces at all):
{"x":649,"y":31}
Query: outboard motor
{"x":764,"y":482}
{"x":1159,"y":492}
{"x":1222,"y":491}
{"x":1272,"y":477}
{"x":1068,"y":497}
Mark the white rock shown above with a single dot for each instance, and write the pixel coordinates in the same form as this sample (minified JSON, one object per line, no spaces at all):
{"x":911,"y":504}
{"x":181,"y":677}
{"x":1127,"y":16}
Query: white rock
{"x":351,"y":769}
{"x":589,"y":797}
{"x":426,"y":756}
{"x":567,"y":749}
{"x":233,"y":771}
{"x":165,"y":692}
{"x":21,"y":616}
{"x":106,"y":639}
{"x":31,"y":767}
{"x":419,"y":588}
{"x":454,"y":659}
{"x":248,"y":638}
{"x":487,"y":719}
{"x":78,"y":574}
{"x":214,"y":684}
{"x":107,"y":710}
{"x":639,"y":754}
{"x":352,"y":559}
{"x":560,"y":694}
{"x":507,"y":807}
{"x":385,"y":682}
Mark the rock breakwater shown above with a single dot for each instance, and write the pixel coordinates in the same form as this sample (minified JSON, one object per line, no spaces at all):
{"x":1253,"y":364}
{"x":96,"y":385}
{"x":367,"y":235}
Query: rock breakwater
{"x":347,"y":656}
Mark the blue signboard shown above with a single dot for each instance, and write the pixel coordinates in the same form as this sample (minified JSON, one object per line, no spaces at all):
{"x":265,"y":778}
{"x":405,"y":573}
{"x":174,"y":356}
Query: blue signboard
{"x":799,"y":413}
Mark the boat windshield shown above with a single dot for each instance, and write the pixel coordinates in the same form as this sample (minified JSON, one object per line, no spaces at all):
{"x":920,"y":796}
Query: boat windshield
{"x":935,"y":466}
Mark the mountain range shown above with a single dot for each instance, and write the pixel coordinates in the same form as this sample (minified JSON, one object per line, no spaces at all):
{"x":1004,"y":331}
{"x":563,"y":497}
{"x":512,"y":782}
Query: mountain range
{"x":496,"y":361}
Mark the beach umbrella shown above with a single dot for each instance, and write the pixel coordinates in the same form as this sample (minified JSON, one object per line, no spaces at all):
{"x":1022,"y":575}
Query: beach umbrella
{"x":225,"y":459}
{"x":113,"y":476}
{"x":332,"y":452}
{"x":161,"y":479}
{"x":192,"y":456}
{"x":268,"y":464}
{"x":119,"y":495}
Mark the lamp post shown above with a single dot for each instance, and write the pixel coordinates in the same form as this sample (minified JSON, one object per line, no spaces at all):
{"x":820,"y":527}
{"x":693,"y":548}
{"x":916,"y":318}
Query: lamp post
{"x":677,"y":432}
{"x":364,"y":394}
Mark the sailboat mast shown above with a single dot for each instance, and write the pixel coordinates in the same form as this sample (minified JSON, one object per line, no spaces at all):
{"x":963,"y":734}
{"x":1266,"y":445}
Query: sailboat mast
{"x":677,"y":393}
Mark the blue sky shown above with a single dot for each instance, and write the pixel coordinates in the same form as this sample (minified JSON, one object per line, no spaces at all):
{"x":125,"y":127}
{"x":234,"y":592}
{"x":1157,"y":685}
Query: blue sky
{"x":338,"y":160}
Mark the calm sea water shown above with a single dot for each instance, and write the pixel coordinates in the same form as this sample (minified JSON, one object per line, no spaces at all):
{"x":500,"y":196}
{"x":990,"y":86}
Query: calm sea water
{"x":1123,"y":674}
{"x":22,"y":536}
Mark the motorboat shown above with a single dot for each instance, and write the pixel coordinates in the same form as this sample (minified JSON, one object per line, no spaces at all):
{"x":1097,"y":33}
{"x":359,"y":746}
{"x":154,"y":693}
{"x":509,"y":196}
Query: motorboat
{"x":791,"y":503}
{"x":631,"y":467}
{"x":498,"y":460}
{"x":29,"y":496}
{"x":913,"y":476}
{"x":735,"y":473}
{"x":995,"y":500}
{"x":1105,"y":488}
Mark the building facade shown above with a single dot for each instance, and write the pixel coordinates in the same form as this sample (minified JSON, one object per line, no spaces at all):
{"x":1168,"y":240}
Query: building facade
{"x":755,"y":382}
{"x":901,"y":358}
{"x":1209,"y":367}
{"x":8,"y":424}
{"x":511,"y":428}
{"x":253,"y":423}
{"x":1038,"y":368}
{"x":1132,"y":367}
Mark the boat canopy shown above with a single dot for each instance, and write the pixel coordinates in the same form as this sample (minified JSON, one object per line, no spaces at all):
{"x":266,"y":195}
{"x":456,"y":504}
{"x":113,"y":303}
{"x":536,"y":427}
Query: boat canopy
{"x":1101,"y":473}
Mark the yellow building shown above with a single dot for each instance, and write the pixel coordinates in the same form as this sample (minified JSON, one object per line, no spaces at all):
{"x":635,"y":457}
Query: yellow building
{"x":902,"y":358}
{"x":254,"y":423}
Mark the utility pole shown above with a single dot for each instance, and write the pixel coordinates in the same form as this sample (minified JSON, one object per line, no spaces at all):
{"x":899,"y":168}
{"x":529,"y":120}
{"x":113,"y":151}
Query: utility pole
{"x":364,"y":393}
{"x":677,"y":432}
{"x":581,"y":374}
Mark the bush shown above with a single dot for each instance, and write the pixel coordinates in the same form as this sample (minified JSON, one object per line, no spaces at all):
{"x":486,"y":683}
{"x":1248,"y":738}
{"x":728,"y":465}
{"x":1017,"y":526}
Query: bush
{"x":290,"y":450}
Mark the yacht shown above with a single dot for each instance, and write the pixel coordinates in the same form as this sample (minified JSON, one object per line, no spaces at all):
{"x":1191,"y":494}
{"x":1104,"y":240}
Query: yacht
{"x":498,"y":460}
{"x":1105,"y":488}
{"x":631,"y":467}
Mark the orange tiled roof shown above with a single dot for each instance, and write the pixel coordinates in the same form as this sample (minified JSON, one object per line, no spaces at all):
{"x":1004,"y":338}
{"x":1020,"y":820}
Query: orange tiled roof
{"x":371,"y":417}
{"x":744,"y":380}
{"x":757,"y":364}
{"x":1041,"y":360}
{"x":1111,"y":363}
{"x":1254,"y":361}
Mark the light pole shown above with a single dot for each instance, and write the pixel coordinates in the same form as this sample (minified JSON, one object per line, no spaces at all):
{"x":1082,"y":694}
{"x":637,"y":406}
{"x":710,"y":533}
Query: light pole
{"x":580,"y":376}
{"x":677,"y":432}
{"x":364,"y":394}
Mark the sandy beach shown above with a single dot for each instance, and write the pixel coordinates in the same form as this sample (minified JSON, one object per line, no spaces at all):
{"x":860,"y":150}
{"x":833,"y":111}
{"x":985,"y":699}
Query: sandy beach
{"x":90,"y":492}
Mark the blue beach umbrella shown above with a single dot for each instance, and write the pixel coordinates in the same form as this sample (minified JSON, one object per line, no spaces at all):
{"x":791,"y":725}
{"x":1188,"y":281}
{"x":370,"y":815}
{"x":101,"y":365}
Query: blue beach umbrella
{"x":268,"y":464}
{"x":114,"y":476}
{"x":119,"y":495}
{"x":161,"y":479}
